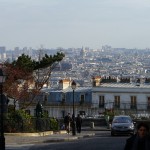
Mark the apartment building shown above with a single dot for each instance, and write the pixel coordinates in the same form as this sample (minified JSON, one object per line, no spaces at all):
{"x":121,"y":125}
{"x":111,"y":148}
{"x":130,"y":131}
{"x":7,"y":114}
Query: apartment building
{"x":104,"y":94}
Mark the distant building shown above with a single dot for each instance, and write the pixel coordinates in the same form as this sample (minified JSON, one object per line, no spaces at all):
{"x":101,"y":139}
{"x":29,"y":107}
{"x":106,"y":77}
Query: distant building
{"x":2,"y":49}
{"x":132,"y":98}
{"x":82,"y":53}
{"x":58,"y":102}
{"x":2,"y":52}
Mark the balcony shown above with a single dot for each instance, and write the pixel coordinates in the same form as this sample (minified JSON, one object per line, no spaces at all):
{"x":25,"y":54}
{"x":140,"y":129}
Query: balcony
{"x":133,"y":107}
{"x":116,"y":106}
{"x":101,"y":105}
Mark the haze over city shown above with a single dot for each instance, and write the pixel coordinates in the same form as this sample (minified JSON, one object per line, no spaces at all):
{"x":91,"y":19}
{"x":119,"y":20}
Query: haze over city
{"x":71,"y":23}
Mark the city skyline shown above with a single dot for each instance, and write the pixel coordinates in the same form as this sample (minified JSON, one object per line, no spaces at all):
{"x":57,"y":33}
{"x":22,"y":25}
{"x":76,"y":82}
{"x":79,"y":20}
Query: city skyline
{"x":70,"y":23}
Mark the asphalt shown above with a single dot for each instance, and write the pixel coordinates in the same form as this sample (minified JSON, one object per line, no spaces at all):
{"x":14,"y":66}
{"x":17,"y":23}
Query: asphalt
{"x":50,"y":136}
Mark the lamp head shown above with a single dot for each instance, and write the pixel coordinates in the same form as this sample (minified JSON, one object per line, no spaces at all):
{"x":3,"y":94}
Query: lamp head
{"x":73,"y":85}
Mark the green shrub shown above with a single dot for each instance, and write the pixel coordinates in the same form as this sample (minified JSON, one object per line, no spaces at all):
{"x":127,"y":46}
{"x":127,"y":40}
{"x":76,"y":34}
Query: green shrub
{"x":17,"y":121}
{"x":54,"y":124}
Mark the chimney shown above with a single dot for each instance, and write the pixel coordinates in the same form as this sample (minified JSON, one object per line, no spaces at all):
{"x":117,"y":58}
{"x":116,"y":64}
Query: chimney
{"x":64,"y":83}
{"x":142,"y":80}
{"x":96,"y":81}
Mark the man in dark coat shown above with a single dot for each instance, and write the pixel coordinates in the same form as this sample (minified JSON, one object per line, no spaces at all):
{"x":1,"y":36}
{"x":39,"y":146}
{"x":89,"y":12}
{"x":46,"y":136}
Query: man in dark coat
{"x":78,"y":123}
{"x":139,"y":141}
{"x":67,"y":122}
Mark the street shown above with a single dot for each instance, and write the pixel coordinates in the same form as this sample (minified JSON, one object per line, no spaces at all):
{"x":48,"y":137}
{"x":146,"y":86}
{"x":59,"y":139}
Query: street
{"x":101,"y":141}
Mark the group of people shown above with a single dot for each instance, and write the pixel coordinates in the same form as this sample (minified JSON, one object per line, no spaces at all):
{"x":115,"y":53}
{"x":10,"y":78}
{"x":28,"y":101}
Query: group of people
{"x":68,"y":120}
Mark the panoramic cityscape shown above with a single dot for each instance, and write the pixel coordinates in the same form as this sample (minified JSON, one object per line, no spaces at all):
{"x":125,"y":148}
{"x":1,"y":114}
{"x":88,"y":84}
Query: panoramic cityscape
{"x":108,"y":81}
{"x":74,"y":75}
{"x":129,"y":68}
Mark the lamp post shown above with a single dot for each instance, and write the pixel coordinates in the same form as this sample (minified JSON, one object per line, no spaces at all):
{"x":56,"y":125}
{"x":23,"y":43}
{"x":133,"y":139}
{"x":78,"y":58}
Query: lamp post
{"x":2,"y":138}
{"x":73,"y":86}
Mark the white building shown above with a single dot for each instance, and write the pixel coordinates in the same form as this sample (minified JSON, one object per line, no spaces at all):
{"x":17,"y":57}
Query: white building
{"x":122,"y":97}
{"x":130,"y":98}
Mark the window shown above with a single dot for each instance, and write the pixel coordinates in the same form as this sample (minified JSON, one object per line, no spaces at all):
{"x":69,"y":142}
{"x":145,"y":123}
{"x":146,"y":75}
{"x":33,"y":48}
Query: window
{"x":82,"y":98}
{"x":133,"y":102}
{"x":117,"y":101}
{"x":148,"y":103}
{"x":122,"y":120}
{"x":101,"y":101}
{"x":63,"y":97}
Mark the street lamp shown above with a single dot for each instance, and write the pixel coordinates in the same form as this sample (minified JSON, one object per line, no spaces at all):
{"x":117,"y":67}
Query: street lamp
{"x":73,"y":86}
{"x":2,"y":138}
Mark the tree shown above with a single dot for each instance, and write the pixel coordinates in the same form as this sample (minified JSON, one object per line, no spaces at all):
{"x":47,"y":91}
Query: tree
{"x":26,"y":77}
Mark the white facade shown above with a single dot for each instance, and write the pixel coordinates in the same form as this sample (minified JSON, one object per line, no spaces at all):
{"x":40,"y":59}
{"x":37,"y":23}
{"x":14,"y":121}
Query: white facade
{"x":128,"y":94}
{"x":128,"y":97}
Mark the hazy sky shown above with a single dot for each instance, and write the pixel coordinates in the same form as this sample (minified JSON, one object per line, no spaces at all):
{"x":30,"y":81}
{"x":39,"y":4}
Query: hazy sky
{"x":75,"y":23}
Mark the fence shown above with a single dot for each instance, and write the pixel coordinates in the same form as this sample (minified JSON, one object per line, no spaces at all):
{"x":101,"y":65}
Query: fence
{"x":137,"y":110}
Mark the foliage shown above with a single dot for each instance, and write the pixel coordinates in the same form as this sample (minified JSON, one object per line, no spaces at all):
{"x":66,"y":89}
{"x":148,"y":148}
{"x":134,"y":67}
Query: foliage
{"x":26,"y":63}
{"x":109,"y":113}
{"x":54,"y":124}
{"x":23,"y":83}
{"x":45,"y":114}
{"x":17,"y":121}
{"x":20,"y":121}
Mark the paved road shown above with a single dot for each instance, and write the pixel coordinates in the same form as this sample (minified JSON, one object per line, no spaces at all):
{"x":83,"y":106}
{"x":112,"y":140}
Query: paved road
{"x":102,"y":140}
{"x":19,"y":147}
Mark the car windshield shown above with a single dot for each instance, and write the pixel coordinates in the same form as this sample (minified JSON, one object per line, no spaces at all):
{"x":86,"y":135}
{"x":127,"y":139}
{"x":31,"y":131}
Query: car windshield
{"x":122,"y":120}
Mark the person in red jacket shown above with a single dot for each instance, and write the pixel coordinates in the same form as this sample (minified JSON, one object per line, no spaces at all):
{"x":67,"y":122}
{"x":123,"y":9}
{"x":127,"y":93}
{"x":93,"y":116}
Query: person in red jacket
{"x":139,"y":141}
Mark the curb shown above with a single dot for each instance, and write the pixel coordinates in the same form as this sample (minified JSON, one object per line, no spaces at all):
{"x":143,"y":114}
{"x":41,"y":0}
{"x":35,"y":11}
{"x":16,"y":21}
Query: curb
{"x":50,"y":136}
{"x":36,"y":134}
{"x":54,"y":139}
{"x":96,"y":129}
{"x":60,"y":140}
{"x":68,"y":138}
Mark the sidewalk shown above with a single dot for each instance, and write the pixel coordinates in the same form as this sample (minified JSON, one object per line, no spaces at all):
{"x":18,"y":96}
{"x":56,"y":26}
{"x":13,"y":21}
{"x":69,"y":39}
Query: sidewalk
{"x":29,"y":138}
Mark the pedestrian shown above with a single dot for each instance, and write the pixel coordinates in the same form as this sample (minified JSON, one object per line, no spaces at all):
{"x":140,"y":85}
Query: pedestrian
{"x":67,"y":122}
{"x":78,"y":123}
{"x":139,"y":141}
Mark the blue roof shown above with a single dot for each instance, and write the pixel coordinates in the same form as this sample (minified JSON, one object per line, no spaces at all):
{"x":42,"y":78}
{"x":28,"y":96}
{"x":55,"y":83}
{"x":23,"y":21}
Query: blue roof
{"x":69,"y":89}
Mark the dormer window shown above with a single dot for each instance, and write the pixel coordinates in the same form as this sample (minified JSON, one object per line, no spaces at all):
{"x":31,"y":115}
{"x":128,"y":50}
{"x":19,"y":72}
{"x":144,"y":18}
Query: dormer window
{"x":82,"y":98}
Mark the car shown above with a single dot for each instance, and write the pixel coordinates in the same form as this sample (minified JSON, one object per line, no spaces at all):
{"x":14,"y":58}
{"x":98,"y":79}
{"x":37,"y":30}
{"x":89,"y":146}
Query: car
{"x":122,"y":125}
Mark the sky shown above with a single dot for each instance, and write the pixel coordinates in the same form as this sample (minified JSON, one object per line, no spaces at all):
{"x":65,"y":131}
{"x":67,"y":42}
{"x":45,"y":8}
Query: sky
{"x":75,"y":23}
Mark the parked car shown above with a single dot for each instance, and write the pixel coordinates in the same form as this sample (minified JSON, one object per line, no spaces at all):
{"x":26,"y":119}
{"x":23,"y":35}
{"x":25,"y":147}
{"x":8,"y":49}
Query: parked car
{"x":122,"y":125}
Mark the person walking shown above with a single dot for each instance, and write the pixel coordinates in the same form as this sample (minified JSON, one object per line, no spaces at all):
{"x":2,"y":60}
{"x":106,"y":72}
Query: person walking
{"x":78,"y":123}
{"x":67,"y":122}
{"x":139,"y":141}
